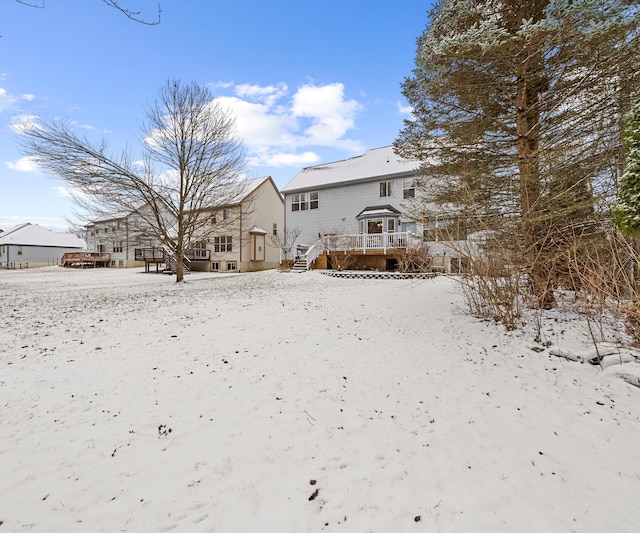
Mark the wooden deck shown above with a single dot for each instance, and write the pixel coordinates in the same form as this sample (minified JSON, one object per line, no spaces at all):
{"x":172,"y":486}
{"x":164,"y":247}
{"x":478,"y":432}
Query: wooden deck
{"x":85,"y":260}
{"x":157,"y":256}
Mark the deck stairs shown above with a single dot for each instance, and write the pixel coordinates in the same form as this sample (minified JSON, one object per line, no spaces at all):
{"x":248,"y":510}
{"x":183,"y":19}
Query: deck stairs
{"x":170,"y":263}
{"x":300,"y":265}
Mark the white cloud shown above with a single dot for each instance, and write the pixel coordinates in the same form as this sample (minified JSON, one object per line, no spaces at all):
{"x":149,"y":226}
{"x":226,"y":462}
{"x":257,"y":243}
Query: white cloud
{"x":20,"y":123}
{"x":275,"y":125}
{"x":269,"y":94}
{"x":330,"y":114}
{"x":404,"y":109}
{"x":279,"y":159}
{"x":24,"y":164}
{"x":6,"y":100}
{"x":63,"y":192}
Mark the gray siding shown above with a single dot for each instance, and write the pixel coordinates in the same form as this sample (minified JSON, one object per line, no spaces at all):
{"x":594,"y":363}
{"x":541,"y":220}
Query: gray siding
{"x":338,"y":208}
{"x":34,"y":255}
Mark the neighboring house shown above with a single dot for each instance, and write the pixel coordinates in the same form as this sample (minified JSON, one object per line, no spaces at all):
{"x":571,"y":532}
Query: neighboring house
{"x":237,"y":237}
{"x":359,"y":201}
{"x":242,"y":231}
{"x":360,"y":206}
{"x":31,"y":245}
{"x":118,"y":236}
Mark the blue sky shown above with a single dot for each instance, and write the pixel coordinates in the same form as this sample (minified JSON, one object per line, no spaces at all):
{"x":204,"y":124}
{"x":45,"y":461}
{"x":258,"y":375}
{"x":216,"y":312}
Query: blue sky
{"x":310,"y":81}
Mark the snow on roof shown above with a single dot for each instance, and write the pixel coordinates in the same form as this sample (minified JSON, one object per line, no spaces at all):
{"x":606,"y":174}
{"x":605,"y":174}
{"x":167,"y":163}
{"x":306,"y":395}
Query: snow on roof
{"x":249,"y":186}
{"x":373,"y":164}
{"x":34,"y":235}
{"x":379,"y":210}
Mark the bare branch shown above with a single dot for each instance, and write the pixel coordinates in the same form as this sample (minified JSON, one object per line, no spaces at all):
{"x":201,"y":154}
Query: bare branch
{"x":29,"y":4}
{"x":133,"y":15}
{"x":129,"y":13}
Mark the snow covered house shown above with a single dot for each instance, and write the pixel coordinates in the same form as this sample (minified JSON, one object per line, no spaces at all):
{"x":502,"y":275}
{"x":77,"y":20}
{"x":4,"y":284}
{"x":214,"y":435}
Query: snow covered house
{"x":362,"y":207}
{"x":30,"y":245}
{"x":118,"y":236}
{"x":242,"y":231}
{"x":357,"y":204}
{"x":237,"y":237}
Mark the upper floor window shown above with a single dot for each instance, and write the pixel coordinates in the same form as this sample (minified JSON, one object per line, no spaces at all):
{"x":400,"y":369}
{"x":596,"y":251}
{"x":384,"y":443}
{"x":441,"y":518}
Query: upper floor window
{"x":226,"y":214}
{"x":275,"y":229}
{"x":408,"y":189}
{"x":117,"y":247}
{"x":222,"y":244}
{"x":387,"y":188}
{"x":305,"y":201}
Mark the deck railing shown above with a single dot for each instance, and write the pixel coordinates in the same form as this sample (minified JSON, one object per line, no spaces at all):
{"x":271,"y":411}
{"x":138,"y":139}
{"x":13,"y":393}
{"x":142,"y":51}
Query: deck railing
{"x":372,"y":241}
{"x":82,"y":258}
{"x":157,"y":254}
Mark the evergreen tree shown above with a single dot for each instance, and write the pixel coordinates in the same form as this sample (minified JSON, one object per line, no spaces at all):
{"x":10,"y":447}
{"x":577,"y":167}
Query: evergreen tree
{"x":626,"y":211}
{"x":518,"y":103}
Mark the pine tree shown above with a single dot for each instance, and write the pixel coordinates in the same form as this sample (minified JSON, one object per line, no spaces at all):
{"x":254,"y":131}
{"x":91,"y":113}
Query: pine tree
{"x":626,"y":211}
{"x":518,"y":102}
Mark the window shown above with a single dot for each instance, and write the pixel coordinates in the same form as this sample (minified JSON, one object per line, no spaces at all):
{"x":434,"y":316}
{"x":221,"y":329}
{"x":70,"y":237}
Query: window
{"x":408,"y":189}
{"x":387,"y":188}
{"x":120,"y":262}
{"x":215,"y":266}
{"x":214,"y":219}
{"x":275,"y":229}
{"x":226,"y":214}
{"x":222,"y":244}
{"x":19,"y":250}
{"x":374,"y":226}
{"x":101,"y":248}
{"x":313,"y":200}
{"x":305,"y":201}
{"x":117,"y":247}
{"x":232,"y":265}
{"x":391,"y":225}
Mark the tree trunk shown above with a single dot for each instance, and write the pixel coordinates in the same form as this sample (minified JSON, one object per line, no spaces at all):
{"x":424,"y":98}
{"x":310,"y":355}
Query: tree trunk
{"x":179,"y":268}
{"x":529,"y":83}
{"x":179,"y":251}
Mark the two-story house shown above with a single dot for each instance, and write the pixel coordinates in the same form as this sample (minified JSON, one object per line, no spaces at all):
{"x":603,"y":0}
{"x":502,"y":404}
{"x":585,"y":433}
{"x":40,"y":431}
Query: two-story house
{"x":236,"y":236}
{"x":358,"y":203}
{"x":367,"y":208}
{"x":242,"y":230}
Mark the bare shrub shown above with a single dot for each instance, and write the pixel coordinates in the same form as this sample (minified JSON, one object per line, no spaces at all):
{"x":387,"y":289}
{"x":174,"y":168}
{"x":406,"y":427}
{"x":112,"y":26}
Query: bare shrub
{"x":410,"y":260}
{"x":602,"y":268}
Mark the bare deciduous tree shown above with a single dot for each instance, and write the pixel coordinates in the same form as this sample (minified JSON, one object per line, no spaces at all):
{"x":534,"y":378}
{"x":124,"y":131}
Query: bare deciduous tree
{"x":129,"y":13}
{"x":285,"y":240}
{"x":192,"y":163}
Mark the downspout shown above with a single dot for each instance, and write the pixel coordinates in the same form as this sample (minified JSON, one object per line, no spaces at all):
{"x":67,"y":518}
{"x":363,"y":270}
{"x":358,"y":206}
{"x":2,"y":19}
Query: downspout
{"x":285,"y":227}
{"x":240,"y":238}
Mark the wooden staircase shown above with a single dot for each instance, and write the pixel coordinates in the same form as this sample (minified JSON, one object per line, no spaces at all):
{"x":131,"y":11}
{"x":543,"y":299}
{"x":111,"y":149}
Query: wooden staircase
{"x":300,"y":265}
{"x":170,"y":264}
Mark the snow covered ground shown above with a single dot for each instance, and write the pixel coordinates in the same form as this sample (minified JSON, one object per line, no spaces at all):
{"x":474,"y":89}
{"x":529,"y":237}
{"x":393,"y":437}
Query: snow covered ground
{"x":280,"y":402}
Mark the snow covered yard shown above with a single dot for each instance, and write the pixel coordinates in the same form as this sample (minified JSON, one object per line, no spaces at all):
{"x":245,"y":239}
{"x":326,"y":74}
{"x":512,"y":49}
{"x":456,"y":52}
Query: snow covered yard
{"x":279,"y":402}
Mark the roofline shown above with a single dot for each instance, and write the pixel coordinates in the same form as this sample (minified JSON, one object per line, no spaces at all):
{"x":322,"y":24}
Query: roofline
{"x":379,"y":177}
